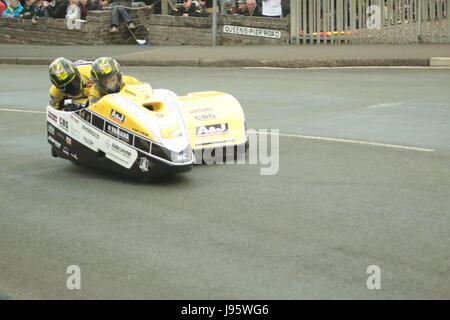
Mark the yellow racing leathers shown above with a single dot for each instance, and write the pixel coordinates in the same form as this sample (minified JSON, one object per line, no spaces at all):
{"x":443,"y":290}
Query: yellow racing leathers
{"x":57,"y":97}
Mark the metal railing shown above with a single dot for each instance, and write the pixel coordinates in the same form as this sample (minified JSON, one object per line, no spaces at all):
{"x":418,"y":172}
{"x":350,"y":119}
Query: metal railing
{"x":344,"y":21}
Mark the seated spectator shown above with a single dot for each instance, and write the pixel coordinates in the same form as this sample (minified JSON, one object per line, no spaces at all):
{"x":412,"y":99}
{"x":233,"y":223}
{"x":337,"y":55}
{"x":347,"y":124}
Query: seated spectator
{"x":2,"y":6}
{"x":248,"y":8}
{"x":73,"y":10}
{"x":187,"y":9}
{"x":56,"y":9}
{"x":271,"y":8}
{"x":86,"y":6}
{"x":119,"y":12}
{"x":28,"y":10}
{"x":13,"y":10}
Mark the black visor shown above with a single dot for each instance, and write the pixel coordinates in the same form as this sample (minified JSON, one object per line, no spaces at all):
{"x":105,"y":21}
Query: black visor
{"x":73,"y":88}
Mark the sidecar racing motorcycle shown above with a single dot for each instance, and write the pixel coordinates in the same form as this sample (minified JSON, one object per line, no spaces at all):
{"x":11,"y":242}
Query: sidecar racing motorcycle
{"x":145,"y":132}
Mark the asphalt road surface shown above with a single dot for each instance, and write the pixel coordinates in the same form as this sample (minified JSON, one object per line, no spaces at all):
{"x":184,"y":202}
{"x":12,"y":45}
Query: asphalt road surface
{"x":310,"y":231}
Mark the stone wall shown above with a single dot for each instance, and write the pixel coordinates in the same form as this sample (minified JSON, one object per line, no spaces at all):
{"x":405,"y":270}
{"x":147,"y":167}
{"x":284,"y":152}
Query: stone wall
{"x":171,"y":30}
{"x":157,"y":29}
{"x":431,"y":32}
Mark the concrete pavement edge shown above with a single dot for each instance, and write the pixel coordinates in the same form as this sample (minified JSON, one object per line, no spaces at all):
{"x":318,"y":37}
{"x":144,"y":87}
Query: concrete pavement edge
{"x":274,"y":63}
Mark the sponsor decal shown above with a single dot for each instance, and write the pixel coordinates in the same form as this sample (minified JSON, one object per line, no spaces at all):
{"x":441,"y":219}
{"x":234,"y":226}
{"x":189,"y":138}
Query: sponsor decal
{"x":120,"y":150}
{"x":90,"y":132}
{"x":63,"y":123}
{"x":170,"y":130}
{"x":130,"y":92}
{"x":74,"y":155}
{"x":116,"y":132}
{"x":68,"y":141}
{"x":51,"y":129}
{"x":120,"y":153}
{"x":200,"y":110}
{"x":52,"y":116}
{"x":75,"y":133}
{"x":88,"y":141}
{"x":66,"y":151}
{"x":108,"y":144}
{"x":116,"y":116}
{"x":74,"y":119}
{"x":143,"y":165}
{"x":203,"y":117}
{"x":255,"y":32}
{"x":54,"y":142}
{"x":140,"y":132}
{"x":211,"y":130}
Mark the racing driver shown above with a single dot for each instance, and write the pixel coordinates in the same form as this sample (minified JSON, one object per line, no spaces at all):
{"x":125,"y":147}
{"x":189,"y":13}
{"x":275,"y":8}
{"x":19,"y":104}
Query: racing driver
{"x":70,"y":81}
{"x":107,"y":78}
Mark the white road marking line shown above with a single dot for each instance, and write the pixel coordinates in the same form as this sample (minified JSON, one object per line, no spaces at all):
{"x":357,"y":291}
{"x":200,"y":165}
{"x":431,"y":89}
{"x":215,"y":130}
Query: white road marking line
{"x":378,"y":144}
{"x":299,"y":136}
{"x":357,"y":67}
{"x":24,"y":111}
{"x":384,"y":105}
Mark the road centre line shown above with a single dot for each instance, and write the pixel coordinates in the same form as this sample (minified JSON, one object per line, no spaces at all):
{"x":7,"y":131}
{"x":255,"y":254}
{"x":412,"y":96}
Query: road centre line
{"x":370,"y":143}
{"x":298,"y":136}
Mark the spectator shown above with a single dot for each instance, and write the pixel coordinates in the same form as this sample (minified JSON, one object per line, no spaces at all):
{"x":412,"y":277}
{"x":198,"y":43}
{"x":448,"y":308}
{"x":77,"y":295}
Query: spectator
{"x":39,"y":11}
{"x":271,"y":8}
{"x":56,"y":9}
{"x":249,"y":8}
{"x":28,"y":10}
{"x":206,"y":6}
{"x":73,"y":10}
{"x":202,"y":6}
{"x":188,"y":9}
{"x":98,"y":4}
{"x":2,"y":6}
{"x":86,"y":6}
{"x":230,"y":6}
{"x":153,"y":4}
{"x":119,"y":12}
{"x":13,"y":10}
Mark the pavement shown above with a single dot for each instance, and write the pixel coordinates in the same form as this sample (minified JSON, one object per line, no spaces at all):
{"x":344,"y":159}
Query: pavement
{"x":334,"y":208}
{"x":288,"y":56}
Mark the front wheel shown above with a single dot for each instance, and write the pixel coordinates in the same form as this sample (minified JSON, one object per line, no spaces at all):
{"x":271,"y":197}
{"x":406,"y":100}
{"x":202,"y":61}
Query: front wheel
{"x":53,"y":152}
